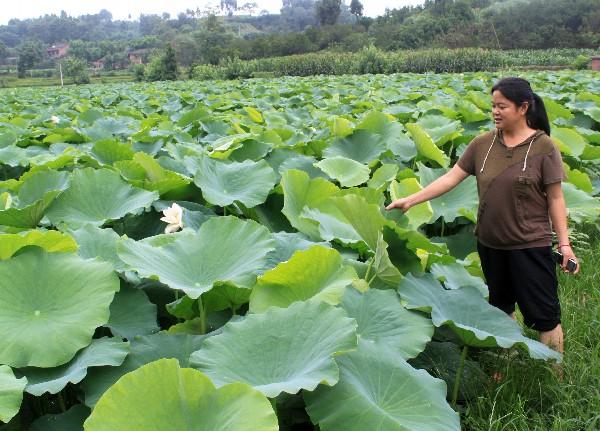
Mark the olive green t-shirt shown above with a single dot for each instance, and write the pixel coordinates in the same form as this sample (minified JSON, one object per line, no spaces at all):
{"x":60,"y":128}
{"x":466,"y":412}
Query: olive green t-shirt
{"x":513,"y":208}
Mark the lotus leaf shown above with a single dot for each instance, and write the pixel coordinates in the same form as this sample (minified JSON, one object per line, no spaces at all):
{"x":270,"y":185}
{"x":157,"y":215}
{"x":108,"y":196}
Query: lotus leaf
{"x":469,"y":315}
{"x":460,"y":201}
{"x":143,"y":350}
{"x":96,"y":196}
{"x":347,"y":172}
{"x":384,"y":322}
{"x":381,"y":392}
{"x":51,"y":241}
{"x":11,"y":393}
{"x":131,"y":314}
{"x":280,"y":350}
{"x":224,"y":250}
{"x":315,"y":273}
{"x":103,"y":351}
{"x":161,"y":396}
{"x":425,"y":145}
{"x":47,"y":315}
{"x":224,"y":183}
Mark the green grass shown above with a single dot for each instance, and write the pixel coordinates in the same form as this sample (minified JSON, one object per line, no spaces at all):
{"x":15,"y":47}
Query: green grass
{"x":531,"y":397}
{"x":9,"y":81}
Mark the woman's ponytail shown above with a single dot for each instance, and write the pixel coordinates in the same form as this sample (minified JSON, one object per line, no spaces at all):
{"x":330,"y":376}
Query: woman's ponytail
{"x":537,"y":118}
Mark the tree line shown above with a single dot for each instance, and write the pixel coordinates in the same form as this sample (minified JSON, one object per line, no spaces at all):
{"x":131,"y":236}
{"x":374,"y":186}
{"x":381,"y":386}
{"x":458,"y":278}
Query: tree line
{"x":240,"y":30}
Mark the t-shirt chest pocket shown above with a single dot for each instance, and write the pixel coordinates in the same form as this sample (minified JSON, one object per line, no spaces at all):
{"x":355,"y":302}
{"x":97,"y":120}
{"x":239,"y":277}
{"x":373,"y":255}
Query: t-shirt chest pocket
{"x":523,"y":186}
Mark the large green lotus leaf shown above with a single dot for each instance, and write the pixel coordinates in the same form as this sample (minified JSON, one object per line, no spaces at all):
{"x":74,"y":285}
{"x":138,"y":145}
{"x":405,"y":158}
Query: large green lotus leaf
{"x":300,"y":191}
{"x":96,"y":196}
{"x":579,"y":179}
{"x":462,"y":200}
{"x":383,"y":175}
{"x":316,"y":273}
{"x":569,"y":141}
{"x":50,"y":306}
{"x":419,"y":214}
{"x":281,"y":350}
{"x":362,"y":146}
{"x":161,"y":396}
{"x":384,"y":322}
{"x":224,"y":183}
{"x":100,"y":244}
{"x":143,"y":349}
{"x":426,"y":147}
{"x":286,"y":244}
{"x":11,"y":393}
{"x":469,"y":315}
{"x":440,"y":128}
{"x":382,"y":265}
{"x":470,"y":112}
{"x":390,"y":133}
{"x":110,"y":151}
{"x":347,"y":172}
{"x":36,"y":194}
{"x":349,"y":219}
{"x":51,"y":241}
{"x":455,"y":276}
{"x":378,"y":391}
{"x":580,"y":205}
{"x":224,"y":250}
{"x":145,"y":172}
{"x":101,"y":352}
{"x":556,"y":110}
{"x":131,"y":314}
{"x":71,"y":420}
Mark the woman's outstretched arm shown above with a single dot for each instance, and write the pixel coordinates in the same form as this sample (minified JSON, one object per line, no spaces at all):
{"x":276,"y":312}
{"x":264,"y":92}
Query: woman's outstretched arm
{"x":442,"y":185}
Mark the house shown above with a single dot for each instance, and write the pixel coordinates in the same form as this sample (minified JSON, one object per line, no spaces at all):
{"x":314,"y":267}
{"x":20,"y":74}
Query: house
{"x":138,"y":56}
{"x":98,"y":64}
{"x":57,"y":51}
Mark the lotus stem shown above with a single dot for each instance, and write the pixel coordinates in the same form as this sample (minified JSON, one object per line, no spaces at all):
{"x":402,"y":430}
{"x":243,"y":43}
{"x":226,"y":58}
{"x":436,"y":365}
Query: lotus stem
{"x":457,"y":379}
{"x":202,"y":313}
{"x":61,"y":402}
{"x":224,"y":211}
{"x":443,"y":227}
{"x":369,"y":270}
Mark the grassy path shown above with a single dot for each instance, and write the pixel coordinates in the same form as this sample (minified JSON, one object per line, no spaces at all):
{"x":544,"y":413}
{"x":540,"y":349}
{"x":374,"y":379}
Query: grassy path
{"x":531,"y":397}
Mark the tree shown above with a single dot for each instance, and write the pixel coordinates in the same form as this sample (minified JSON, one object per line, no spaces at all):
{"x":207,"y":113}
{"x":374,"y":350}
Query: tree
{"x":328,"y":11}
{"x":163,"y":67}
{"x":356,"y":9}
{"x":30,"y":53}
{"x":77,"y":70}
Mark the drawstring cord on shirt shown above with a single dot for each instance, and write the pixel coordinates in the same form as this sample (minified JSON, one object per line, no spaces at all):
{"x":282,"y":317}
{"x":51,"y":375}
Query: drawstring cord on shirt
{"x":494,"y":140}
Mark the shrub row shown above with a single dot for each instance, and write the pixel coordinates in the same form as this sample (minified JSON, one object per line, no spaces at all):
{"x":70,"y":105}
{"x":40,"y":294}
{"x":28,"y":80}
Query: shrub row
{"x":373,"y":60}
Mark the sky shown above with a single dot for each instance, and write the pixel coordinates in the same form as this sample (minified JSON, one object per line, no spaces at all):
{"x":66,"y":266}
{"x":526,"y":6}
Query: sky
{"x":121,"y":9}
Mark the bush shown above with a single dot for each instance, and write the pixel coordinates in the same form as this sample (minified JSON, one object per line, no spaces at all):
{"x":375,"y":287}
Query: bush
{"x":582,"y":62}
{"x":138,"y":71}
{"x":77,"y":70}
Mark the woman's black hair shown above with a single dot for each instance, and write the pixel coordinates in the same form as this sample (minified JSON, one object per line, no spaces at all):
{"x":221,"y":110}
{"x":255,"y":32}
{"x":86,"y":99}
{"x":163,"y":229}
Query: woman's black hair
{"x":519,"y":91}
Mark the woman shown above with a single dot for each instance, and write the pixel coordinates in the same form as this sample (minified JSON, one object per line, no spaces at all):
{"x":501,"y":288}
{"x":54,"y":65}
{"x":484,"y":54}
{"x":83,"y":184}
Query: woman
{"x":519,"y":172}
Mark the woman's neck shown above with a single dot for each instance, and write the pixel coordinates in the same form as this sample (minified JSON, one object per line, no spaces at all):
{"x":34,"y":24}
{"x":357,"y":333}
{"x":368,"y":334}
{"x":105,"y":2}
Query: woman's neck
{"x":518,"y":131}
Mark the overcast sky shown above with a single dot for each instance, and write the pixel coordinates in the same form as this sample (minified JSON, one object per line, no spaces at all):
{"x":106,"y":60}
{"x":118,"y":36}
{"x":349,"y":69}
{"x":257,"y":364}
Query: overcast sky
{"x":122,"y":9}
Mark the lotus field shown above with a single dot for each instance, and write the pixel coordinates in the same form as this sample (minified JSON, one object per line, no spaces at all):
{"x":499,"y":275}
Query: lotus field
{"x":216,"y":256}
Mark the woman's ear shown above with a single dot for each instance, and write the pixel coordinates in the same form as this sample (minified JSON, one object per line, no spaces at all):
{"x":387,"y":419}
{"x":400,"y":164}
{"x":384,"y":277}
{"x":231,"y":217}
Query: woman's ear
{"x":523,"y":108}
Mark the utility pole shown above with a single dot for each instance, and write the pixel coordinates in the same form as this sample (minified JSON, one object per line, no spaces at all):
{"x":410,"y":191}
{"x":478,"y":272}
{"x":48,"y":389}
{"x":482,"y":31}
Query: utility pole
{"x":62,"y":84}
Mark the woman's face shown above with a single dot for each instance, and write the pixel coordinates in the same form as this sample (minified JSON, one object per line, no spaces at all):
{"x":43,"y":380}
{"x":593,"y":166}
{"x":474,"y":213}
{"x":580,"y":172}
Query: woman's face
{"x":507,"y":115}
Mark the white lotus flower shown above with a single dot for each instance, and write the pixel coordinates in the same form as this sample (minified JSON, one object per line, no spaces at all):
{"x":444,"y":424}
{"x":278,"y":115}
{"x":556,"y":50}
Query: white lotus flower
{"x":173,"y":216}
{"x":55,"y":119}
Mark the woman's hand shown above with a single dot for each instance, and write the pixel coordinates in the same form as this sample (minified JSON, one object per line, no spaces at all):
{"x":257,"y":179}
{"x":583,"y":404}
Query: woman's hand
{"x":403,"y":204}
{"x":567,"y":253}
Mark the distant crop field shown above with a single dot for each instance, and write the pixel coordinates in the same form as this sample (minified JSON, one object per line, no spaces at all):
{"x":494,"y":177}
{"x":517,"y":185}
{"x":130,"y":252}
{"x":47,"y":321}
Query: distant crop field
{"x":215,"y":255}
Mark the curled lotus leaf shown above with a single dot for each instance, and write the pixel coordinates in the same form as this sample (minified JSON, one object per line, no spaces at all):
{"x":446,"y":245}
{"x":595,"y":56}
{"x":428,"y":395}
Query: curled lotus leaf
{"x":466,"y":312}
{"x":316,"y":273}
{"x":378,"y":391}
